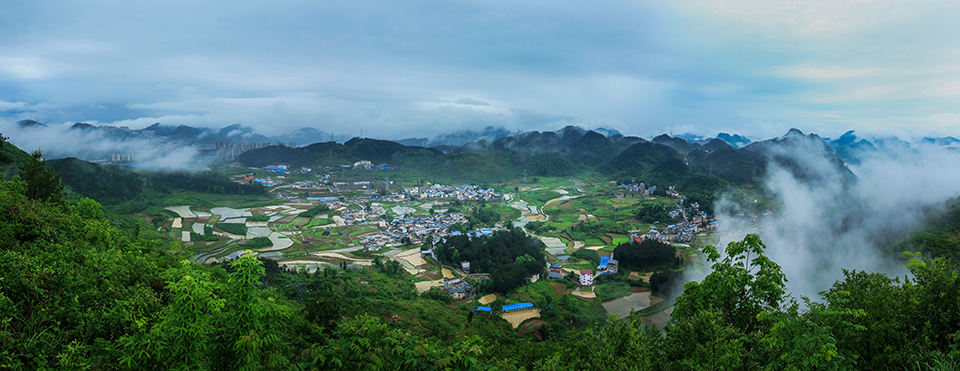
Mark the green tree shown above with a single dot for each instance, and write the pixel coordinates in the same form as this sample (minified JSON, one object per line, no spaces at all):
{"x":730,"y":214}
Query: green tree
{"x":722,"y":315}
{"x":743,"y":284}
{"x":181,"y":340}
{"x":250,"y":328}
{"x":619,"y":345}
{"x":42,"y":183}
{"x":4,"y":158}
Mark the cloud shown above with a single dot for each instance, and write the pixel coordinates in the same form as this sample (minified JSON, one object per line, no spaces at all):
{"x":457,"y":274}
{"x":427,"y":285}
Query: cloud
{"x":11,"y":106}
{"x":735,"y":66}
{"x":59,"y":141}
{"x":825,"y":225}
{"x":472,"y":102}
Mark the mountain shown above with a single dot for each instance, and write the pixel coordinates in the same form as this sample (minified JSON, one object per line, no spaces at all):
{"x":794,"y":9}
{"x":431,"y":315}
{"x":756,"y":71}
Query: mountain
{"x":850,"y":148}
{"x":592,"y":148}
{"x":676,"y":143}
{"x":807,"y":157}
{"x":623,"y":142}
{"x":535,"y":141}
{"x":734,"y":140}
{"x":189,"y":134}
{"x":23,"y":124}
{"x":305,"y":136}
{"x":16,"y":156}
{"x":333,"y":153}
{"x":639,"y":160}
{"x":728,"y":163}
{"x":607,"y":132}
{"x":943,"y":141}
{"x":458,"y":138}
{"x":716,"y":144}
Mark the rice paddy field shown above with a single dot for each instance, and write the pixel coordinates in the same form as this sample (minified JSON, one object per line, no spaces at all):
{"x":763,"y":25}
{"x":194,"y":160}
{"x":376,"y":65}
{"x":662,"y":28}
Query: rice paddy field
{"x":563,"y":206}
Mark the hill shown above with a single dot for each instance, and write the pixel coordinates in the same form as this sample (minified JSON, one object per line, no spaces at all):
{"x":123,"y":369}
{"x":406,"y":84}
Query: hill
{"x":333,"y":153}
{"x":592,"y":148}
{"x":678,"y":144}
{"x":807,"y":157}
{"x":10,"y":158}
{"x":639,"y":159}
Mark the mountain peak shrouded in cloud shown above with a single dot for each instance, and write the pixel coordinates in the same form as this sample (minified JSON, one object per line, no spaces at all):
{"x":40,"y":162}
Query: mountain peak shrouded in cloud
{"x":827,"y":218}
{"x":459,"y":138}
{"x":23,"y":124}
{"x":734,"y":140}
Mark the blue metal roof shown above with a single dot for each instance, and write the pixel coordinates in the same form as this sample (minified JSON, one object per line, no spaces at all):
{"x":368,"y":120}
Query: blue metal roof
{"x":484,"y":309}
{"x":604,"y":260}
{"x":510,"y":307}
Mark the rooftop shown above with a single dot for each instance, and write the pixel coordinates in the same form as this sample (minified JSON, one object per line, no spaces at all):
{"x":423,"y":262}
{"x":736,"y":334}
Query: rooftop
{"x":509,"y":307}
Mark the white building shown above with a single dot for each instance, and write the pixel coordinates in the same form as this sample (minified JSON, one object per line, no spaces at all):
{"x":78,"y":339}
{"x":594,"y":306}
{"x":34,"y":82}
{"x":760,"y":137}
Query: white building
{"x":586,"y":277}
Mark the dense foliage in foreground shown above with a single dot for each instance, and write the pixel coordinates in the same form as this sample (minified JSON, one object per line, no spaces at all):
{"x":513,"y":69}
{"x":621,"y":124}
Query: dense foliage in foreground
{"x":77,"y":293}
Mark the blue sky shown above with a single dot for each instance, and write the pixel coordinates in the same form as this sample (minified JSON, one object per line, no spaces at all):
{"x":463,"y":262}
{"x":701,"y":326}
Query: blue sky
{"x":420,"y":68}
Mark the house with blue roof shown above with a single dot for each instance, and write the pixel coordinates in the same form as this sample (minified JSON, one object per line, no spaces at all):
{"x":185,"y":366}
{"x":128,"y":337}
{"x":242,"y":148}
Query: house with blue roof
{"x":517,"y":307}
{"x":608,"y":265}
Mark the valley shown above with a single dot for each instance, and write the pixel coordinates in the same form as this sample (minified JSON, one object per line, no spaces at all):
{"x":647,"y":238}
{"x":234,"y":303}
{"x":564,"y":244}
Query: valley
{"x":359,"y":223}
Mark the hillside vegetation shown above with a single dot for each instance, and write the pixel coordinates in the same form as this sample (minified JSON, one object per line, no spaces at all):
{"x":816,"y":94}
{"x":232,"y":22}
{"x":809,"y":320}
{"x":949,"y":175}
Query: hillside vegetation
{"x":77,"y":293}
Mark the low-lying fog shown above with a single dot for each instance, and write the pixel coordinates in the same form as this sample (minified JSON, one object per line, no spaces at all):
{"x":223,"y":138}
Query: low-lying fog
{"x":824,"y":225}
{"x":59,"y":141}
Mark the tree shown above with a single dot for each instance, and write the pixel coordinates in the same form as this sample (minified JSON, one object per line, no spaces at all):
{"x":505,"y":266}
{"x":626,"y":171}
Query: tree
{"x":743,"y":284}
{"x":4,"y":158}
{"x":42,"y":183}
{"x":646,"y":254}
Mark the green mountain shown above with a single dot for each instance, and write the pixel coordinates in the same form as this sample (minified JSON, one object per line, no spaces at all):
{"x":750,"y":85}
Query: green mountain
{"x":592,"y":148}
{"x":678,"y":144}
{"x":730,"y":164}
{"x":639,"y":160}
{"x":332,"y":153}
{"x":15,"y":156}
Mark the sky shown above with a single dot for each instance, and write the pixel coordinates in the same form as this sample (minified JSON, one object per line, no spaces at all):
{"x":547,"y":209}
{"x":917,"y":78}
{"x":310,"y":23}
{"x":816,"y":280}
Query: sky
{"x":422,"y":68}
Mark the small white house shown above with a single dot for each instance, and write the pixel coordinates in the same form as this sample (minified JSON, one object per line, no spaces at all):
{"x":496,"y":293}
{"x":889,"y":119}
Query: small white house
{"x":586,"y":277}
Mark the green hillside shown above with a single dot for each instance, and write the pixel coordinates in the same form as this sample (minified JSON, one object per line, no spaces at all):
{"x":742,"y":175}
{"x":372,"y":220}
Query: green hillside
{"x":638,"y":160}
{"x":79,"y":294}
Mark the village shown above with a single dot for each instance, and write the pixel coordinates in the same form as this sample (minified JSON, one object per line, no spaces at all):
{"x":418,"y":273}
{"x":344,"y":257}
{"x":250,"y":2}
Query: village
{"x":404,"y":224}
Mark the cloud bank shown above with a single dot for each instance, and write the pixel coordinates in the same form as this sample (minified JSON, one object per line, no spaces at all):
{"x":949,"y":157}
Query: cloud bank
{"x":824,"y":224}
{"x":422,"y":68}
{"x":59,"y":141}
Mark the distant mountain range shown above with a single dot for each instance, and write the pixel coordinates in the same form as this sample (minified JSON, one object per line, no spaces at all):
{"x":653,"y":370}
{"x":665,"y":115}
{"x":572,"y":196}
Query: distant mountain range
{"x":853,"y":149}
{"x":698,"y":170}
{"x":730,"y":157}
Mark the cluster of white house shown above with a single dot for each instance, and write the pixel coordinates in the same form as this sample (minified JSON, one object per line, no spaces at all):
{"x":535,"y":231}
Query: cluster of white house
{"x":462,"y":193}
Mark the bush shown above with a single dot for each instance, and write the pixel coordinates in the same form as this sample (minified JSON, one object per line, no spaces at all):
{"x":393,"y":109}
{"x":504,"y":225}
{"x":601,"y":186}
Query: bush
{"x":612,"y":290}
{"x":647,"y":254}
{"x":587,"y":254}
{"x":315,"y":210}
{"x":437,"y":294}
{"x":258,"y":242}
{"x":666,"y":283}
{"x":234,"y":228}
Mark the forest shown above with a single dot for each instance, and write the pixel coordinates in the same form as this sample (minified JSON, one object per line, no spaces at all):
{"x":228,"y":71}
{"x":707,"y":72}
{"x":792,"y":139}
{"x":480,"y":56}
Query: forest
{"x":511,"y":256}
{"x":647,"y":254}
